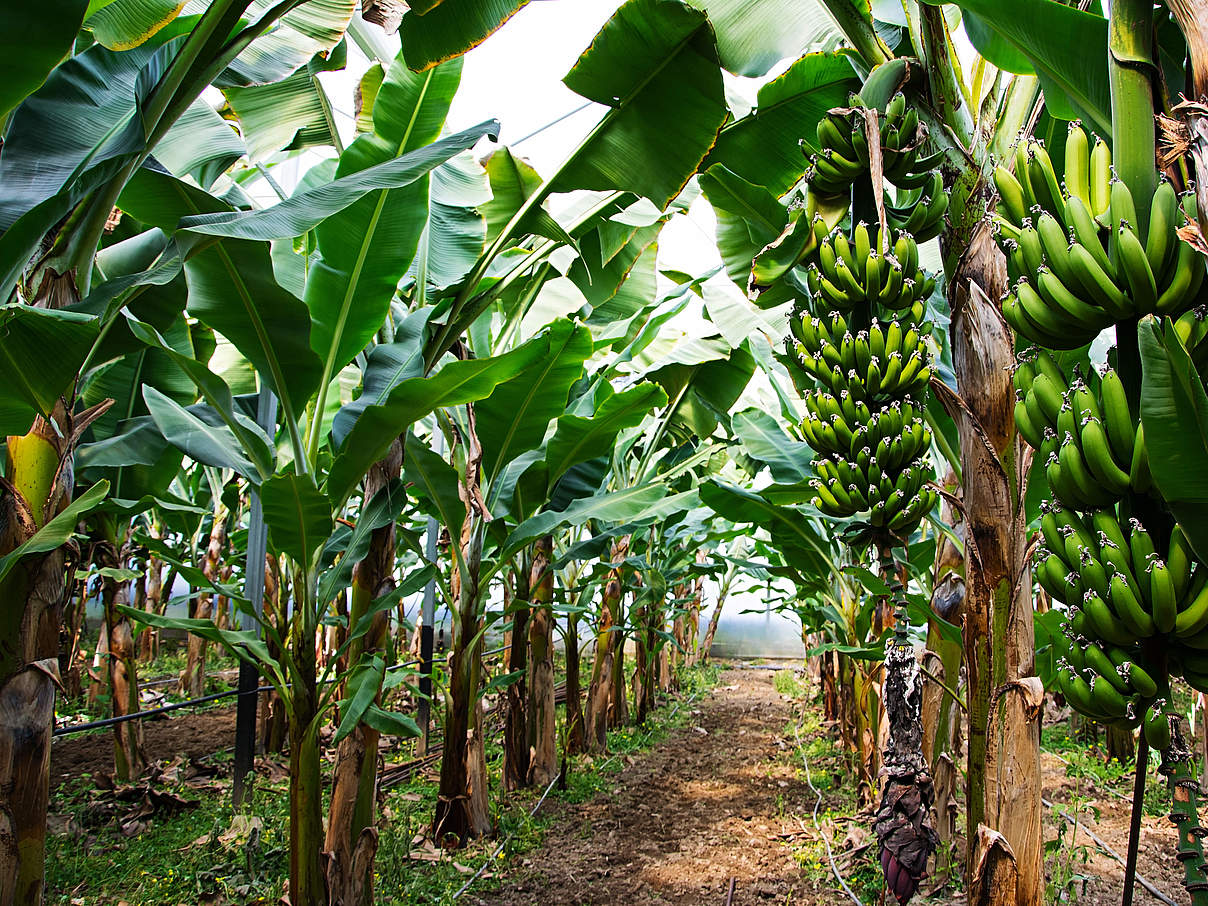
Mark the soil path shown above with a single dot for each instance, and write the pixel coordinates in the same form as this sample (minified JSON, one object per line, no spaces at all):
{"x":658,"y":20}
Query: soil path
{"x":720,"y":799}
{"x":712,"y":802}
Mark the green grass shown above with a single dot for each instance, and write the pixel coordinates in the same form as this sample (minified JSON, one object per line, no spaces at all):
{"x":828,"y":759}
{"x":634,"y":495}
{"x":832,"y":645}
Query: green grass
{"x":163,"y":866}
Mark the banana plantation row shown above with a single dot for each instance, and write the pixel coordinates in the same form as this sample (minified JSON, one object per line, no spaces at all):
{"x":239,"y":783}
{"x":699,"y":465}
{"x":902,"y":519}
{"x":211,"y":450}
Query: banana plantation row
{"x":945,"y":389}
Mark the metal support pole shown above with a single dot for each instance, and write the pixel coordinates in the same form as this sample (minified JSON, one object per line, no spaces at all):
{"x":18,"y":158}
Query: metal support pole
{"x":427,"y":630}
{"x":249,"y":677}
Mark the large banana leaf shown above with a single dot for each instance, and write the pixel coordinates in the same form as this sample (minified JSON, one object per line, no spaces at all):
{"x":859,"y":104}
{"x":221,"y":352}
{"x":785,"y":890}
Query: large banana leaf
{"x":514,"y":418}
{"x":755,"y":35}
{"x":200,"y":144}
{"x":576,"y":439}
{"x":57,"y":531}
{"x":1065,"y":47}
{"x":287,"y":115}
{"x":386,"y":366}
{"x":765,"y":441}
{"x":512,"y":181}
{"x":310,"y":28}
{"x":454,"y":384}
{"x":367,"y":247}
{"x":124,"y":24}
{"x":298,"y":515}
{"x":41,"y":352}
{"x":82,"y":116}
{"x":35,"y":39}
{"x":433,"y":32}
{"x":764,"y":147}
{"x":304,"y":211}
{"x":793,"y":533}
{"x":655,"y":64}
{"x":432,"y":477}
{"x":1174,"y":413}
{"x":749,"y":218}
{"x":629,"y":505}
{"x":206,"y":441}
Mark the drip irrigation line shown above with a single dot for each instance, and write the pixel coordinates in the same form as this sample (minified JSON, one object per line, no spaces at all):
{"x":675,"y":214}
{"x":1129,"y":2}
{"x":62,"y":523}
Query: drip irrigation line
{"x":1102,"y":844}
{"x":193,"y":702}
{"x":498,"y":849}
{"x":140,"y":715}
{"x":825,"y":840}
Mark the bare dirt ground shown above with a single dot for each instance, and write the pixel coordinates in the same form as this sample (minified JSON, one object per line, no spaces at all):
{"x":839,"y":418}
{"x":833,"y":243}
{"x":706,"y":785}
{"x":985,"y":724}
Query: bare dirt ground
{"x":711,"y":803}
{"x":724,"y":799}
{"x":192,"y":735}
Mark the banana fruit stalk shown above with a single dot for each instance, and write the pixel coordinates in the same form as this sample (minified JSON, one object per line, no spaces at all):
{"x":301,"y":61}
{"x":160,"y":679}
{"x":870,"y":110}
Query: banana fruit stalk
{"x":1076,"y":259}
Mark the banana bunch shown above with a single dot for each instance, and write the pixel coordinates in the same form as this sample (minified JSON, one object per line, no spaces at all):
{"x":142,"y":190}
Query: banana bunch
{"x":1076,"y":256}
{"x":1092,"y":448}
{"x":863,"y":419}
{"x":844,"y":156}
{"x":920,"y":212}
{"x":848,"y":274}
{"x":875,"y":366}
{"x":1121,"y":592}
{"x":1192,"y":328}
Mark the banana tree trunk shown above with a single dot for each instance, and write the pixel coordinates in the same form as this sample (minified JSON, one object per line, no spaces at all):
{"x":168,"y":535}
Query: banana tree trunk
{"x":461,"y":807}
{"x":599,"y":692}
{"x":706,"y":646}
{"x":351,"y":835}
{"x":515,"y":729}
{"x":273,"y":719}
{"x":1003,"y":768}
{"x":193,"y":680}
{"x":129,"y":757}
{"x":541,"y":716}
{"x":148,"y":639}
{"x":618,"y":706}
{"x":307,"y":884}
{"x":33,"y":592}
{"x":576,"y":740}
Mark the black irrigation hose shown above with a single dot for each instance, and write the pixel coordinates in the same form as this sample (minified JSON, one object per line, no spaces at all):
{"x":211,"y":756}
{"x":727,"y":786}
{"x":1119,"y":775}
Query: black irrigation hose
{"x":204,"y":700}
{"x":139,"y":715}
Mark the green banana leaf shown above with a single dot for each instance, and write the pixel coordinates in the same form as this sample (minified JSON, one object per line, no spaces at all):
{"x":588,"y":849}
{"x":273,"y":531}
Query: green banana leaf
{"x":206,"y":441}
{"x":431,"y":476}
{"x":654,"y":61}
{"x":749,"y":218}
{"x":367,"y":247}
{"x":298,"y":515}
{"x":1036,"y":36}
{"x":35,"y":40}
{"x":125,"y":24}
{"x":287,"y":115}
{"x":512,"y":181}
{"x":454,"y":384}
{"x":57,"y":531}
{"x":83,"y":116}
{"x":764,"y":147}
{"x":387,"y":365}
{"x":755,"y":35}
{"x":433,"y":32}
{"x":765,"y":441}
{"x":514,"y":418}
{"x":31,"y":381}
{"x":1174,"y":413}
{"x":313,"y":27}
